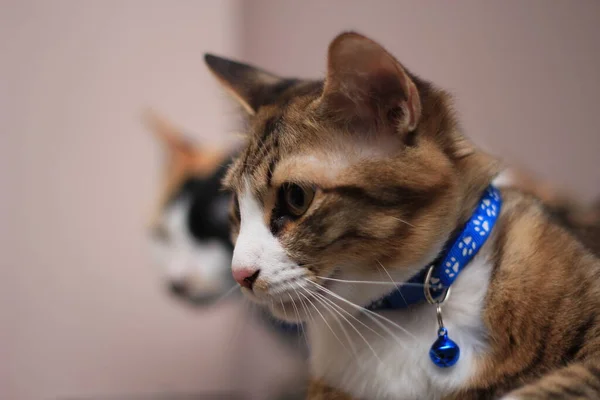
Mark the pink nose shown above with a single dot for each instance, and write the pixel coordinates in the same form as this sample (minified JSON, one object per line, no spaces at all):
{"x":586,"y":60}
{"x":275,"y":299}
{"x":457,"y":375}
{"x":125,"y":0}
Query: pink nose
{"x":245,"y":276}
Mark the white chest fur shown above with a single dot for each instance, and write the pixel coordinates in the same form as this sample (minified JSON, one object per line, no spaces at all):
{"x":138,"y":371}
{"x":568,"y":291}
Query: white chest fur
{"x":402,"y":369}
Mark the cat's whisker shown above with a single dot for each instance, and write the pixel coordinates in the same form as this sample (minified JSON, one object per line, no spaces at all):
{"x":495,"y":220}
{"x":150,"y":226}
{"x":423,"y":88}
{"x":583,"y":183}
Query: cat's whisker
{"x":308,"y":309}
{"x":332,"y":303}
{"x":392,"y":280}
{"x":283,"y":308}
{"x":377,"y":322}
{"x":362,"y":309}
{"x":220,"y":165}
{"x":334,"y":313}
{"x":344,"y":331}
{"x":403,"y":221}
{"x":301,"y":322}
{"x":226,"y":294}
{"x":297,"y":315}
{"x":303,"y":304}
{"x":371,"y":315}
{"x":383,"y":283}
{"x":357,"y":332}
{"x":251,"y":165}
{"x":332,"y":330}
{"x":262,"y":148}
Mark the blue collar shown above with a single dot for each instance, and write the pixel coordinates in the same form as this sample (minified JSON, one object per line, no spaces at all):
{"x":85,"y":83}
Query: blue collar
{"x":452,"y":260}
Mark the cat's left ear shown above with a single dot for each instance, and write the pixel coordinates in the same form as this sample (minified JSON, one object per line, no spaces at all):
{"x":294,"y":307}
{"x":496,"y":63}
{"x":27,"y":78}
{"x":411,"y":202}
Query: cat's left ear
{"x":365,"y":81}
{"x":252,"y":87}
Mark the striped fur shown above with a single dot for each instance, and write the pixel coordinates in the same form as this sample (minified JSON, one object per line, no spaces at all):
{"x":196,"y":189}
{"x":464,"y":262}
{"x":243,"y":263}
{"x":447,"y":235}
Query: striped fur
{"x":394,"y":177}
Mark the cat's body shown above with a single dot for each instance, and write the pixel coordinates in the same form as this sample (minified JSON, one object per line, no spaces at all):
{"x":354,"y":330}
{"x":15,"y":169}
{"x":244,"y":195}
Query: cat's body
{"x":541,"y":310}
{"x":365,"y":178}
{"x":390,"y":376}
{"x":513,"y":326}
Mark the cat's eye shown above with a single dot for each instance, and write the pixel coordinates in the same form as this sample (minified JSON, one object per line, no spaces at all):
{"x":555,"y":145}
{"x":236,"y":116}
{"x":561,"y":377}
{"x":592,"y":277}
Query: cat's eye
{"x":296,"y":198}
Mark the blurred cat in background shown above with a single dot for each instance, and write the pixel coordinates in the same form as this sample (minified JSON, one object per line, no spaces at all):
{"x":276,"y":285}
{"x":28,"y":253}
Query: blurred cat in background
{"x":192,"y":248}
{"x":190,"y":234}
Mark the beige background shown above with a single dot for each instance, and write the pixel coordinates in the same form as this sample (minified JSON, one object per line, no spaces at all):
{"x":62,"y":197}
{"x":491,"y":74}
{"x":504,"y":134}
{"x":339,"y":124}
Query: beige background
{"x":82,"y":313}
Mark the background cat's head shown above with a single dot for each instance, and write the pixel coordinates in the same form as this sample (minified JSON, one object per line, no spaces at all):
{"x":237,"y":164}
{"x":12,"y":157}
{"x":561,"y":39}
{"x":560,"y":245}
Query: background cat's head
{"x":364,"y":175}
{"x":190,"y":231}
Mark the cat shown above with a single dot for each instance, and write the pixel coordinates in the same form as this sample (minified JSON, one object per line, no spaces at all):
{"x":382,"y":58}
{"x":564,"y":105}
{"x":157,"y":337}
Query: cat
{"x":190,"y":228}
{"x":191,"y":246}
{"x":352,"y":190}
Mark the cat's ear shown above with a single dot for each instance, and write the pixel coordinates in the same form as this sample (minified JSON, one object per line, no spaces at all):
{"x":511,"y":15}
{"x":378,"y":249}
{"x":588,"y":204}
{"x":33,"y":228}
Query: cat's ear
{"x":365,"y":81}
{"x":169,"y":136}
{"x":184,"y":157}
{"x":250,"y":86}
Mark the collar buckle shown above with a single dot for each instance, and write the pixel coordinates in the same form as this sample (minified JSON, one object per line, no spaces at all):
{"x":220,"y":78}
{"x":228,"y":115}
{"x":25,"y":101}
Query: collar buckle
{"x":442,"y":297}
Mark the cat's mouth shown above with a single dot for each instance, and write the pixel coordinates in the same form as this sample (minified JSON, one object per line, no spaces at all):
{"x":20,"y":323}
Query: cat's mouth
{"x":300,"y":300}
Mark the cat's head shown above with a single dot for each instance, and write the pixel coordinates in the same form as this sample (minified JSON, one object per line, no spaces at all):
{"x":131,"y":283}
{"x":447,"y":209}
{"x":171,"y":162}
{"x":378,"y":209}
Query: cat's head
{"x":361,"y":176}
{"x":190,"y":231}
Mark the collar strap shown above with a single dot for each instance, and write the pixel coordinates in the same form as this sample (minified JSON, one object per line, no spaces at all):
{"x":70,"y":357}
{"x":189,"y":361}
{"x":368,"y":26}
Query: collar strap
{"x":452,"y":260}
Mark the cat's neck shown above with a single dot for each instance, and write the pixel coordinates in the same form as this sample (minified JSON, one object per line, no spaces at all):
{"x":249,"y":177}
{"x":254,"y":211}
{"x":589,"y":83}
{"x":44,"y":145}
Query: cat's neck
{"x":358,"y":349}
{"x":375,"y":358}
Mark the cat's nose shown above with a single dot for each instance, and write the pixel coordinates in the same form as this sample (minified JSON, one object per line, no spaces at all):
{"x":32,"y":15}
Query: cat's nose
{"x":246,"y":276}
{"x":178,"y":288}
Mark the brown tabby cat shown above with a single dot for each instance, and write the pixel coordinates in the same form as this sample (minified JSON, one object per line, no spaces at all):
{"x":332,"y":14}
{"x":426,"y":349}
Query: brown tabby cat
{"x":358,"y":181}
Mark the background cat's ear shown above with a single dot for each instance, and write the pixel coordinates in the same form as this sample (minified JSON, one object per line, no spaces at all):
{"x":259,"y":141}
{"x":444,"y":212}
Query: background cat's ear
{"x":168,"y":134}
{"x":365,"y":81}
{"x":183,"y":155}
{"x":250,"y":86}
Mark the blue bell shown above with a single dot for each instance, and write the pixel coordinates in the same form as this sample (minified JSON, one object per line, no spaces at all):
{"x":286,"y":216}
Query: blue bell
{"x":444,"y":352}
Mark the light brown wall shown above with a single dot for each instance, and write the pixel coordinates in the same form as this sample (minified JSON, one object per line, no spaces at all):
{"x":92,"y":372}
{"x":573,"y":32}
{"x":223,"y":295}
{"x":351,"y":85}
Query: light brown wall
{"x":83,"y":312}
{"x":525,"y":73}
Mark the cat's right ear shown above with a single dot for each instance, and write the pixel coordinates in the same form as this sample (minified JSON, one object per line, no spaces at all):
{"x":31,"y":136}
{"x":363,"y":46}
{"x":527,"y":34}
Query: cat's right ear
{"x":168,"y":134}
{"x":184,"y":157}
{"x":250,"y":86}
{"x":365,"y":82}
